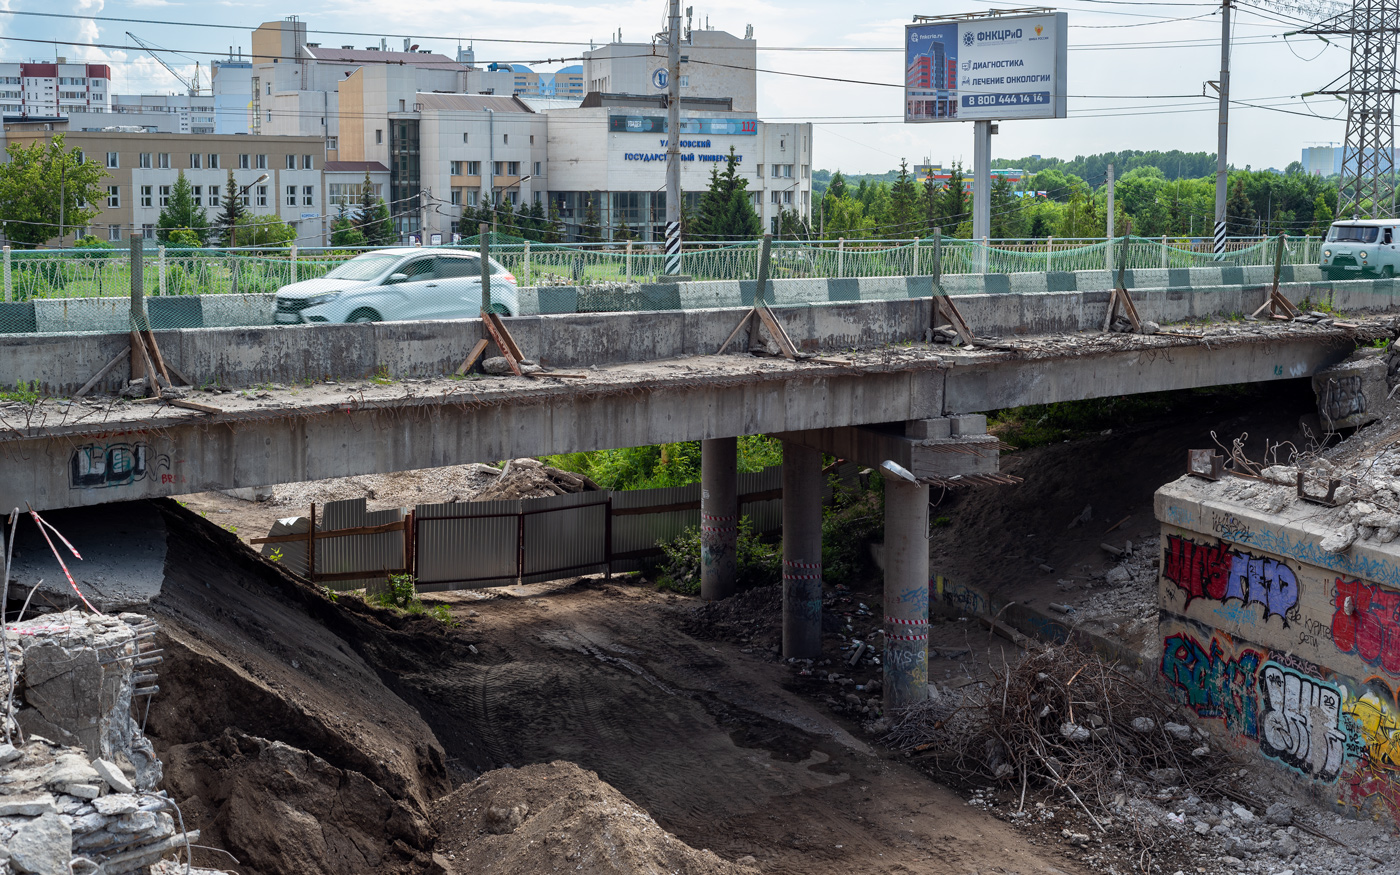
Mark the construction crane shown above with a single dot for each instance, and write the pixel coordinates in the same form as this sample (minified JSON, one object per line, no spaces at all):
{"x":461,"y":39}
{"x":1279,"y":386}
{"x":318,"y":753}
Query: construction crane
{"x":193,"y":87}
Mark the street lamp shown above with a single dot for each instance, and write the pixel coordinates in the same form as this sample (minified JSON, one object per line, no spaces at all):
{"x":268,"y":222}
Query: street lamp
{"x":233,"y":230}
{"x":494,"y":207}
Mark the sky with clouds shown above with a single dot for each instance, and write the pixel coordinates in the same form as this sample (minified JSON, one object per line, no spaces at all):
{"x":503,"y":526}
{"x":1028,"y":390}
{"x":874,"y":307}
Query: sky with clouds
{"x":1136,"y":70}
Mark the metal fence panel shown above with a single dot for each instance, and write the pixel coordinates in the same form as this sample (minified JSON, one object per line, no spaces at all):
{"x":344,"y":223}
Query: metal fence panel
{"x":565,"y":535}
{"x":467,"y":544}
{"x":376,"y":555}
{"x":290,"y":554}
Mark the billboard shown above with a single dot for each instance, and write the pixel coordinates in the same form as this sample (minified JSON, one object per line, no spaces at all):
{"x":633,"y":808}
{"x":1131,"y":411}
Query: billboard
{"x":1010,"y":67}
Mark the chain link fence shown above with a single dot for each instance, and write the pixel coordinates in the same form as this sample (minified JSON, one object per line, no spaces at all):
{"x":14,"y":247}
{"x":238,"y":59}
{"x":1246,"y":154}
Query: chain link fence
{"x":87,"y":290}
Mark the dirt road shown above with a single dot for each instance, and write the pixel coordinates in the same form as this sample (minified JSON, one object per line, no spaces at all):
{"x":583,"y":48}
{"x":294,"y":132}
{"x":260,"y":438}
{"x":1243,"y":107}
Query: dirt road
{"x":701,"y":734}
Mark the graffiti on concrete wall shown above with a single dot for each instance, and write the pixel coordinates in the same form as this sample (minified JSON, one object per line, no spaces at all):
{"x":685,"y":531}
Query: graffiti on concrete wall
{"x":1219,"y":573}
{"x":96,"y":466}
{"x":1366,"y":621}
{"x":1342,"y":397}
{"x":1213,"y":684}
{"x":1301,"y":724}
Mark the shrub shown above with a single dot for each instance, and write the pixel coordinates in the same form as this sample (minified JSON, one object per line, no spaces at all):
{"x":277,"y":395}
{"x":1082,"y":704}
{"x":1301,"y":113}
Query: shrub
{"x":760,"y":563}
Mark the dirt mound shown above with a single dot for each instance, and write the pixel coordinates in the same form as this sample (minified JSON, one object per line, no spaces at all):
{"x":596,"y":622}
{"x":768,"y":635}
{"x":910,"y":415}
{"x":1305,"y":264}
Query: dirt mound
{"x":261,"y":668}
{"x":529,"y":478}
{"x":752,"y":614}
{"x":557,"y":816}
{"x":281,"y":809}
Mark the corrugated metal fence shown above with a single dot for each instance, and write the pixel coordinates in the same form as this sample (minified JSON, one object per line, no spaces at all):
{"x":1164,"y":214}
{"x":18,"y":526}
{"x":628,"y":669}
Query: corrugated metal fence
{"x":474,"y":544}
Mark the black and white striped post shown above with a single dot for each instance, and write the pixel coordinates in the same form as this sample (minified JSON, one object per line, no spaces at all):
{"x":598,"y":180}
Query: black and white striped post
{"x":673,"y":248}
{"x":1219,"y":239}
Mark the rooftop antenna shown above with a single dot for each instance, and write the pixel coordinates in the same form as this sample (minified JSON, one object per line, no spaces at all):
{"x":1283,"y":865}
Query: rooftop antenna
{"x":748,"y":31}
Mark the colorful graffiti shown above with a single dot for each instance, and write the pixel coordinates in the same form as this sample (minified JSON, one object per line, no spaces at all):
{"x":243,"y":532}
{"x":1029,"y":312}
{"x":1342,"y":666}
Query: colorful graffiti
{"x":1212,"y":684}
{"x":1302,"y":722}
{"x":1218,"y":573}
{"x":1366,"y":621}
{"x":97,"y":466}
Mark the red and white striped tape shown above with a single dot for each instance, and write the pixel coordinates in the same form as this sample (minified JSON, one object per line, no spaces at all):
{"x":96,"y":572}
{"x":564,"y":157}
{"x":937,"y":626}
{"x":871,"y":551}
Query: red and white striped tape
{"x":900,"y":622}
{"x":816,"y":565}
{"x":923,"y":637}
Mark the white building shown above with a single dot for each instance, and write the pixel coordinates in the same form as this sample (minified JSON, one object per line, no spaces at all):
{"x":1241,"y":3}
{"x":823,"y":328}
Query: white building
{"x":713,"y":64}
{"x":162,"y":113}
{"x":53,"y":89}
{"x":612,"y":150}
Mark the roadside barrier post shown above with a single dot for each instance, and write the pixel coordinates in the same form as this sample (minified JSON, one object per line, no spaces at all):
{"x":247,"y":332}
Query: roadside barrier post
{"x":9,"y":286}
{"x":628,"y":259}
{"x":916,"y":258}
{"x":1050,"y":253}
{"x":525,"y":270}
{"x":986,"y":252}
{"x":1164,"y":252}
{"x":160,"y":268}
{"x":840,"y":257}
{"x":139,"y":322}
{"x":294,"y":262}
{"x":483,"y":236}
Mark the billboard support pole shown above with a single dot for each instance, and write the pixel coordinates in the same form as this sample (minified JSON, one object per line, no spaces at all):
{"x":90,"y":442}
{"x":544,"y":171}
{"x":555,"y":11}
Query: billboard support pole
{"x":1222,"y":168}
{"x":981,"y":179}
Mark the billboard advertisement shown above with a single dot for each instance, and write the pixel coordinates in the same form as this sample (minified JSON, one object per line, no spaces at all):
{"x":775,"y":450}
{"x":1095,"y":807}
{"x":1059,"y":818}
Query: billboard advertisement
{"x":1010,"y":67}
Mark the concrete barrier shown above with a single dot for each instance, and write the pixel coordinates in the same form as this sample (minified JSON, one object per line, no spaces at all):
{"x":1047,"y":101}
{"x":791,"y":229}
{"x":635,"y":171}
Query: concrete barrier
{"x":241,"y":356}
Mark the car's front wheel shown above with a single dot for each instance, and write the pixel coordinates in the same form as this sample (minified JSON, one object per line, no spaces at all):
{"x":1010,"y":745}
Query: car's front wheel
{"x":499,"y":309}
{"x":364,"y":314}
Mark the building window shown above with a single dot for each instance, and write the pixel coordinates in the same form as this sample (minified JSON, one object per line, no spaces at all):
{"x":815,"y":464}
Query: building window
{"x":194,"y":161}
{"x":245,"y":197}
{"x":308,"y":195}
{"x":114,"y":233}
{"x":472,"y":199}
{"x":114,"y":196}
{"x":773,"y":197}
{"x":378,"y":136}
{"x":539,"y":197}
{"x":146,"y":199}
{"x":532,"y":139}
{"x":213,"y":195}
{"x":291,"y":162}
{"x":806,"y":171}
{"x":148,"y":231}
{"x":787,"y":197}
{"x":513,"y":197}
{"x":291,"y":195}
{"x":512,"y":168}
{"x":213,"y":161}
{"x":199,"y":195}
{"x":261,"y":162}
{"x":537,"y":168}
{"x":165,"y":195}
{"x":163,"y":160}
{"x":332,"y":143}
{"x":455,"y":168}
{"x":307,"y":163}
{"x":113,"y":161}
{"x":473,"y":168}
{"x":457,"y":197}
{"x":243,"y":162}
{"x":145,"y":161}
{"x":464,"y":138}
{"x":759,"y":167}
{"x":262,"y":195}
{"x":505,"y":139}
{"x":269,"y":89}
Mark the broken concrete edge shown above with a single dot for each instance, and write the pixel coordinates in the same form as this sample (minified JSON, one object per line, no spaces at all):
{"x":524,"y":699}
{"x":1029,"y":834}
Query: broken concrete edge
{"x":956,"y":599}
{"x":246,"y":356}
{"x":1281,"y":647}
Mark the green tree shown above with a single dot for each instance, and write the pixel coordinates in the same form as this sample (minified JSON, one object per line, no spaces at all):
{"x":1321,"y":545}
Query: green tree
{"x":266,"y":231}
{"x":180,"y":212}
{"x":953,"y":206}
{"x":930,"y":203}
{"x":592,"y":229}
{"x":792,"y":226}
{"x":344,"y":232}
{"x":1007,"y":222}
{"x":1322,"y":216}
{"x":41,"y":181}
{"x":726,"y":213}
{"x":375,"y":223}
{"x":904,"y":218}
{"x":554,"y":227}
{"x":1239,"y":213}
{"x":232,"y":212}
{"x":845,"y":218}
{"x":183,"y":238}
{"x":536,"y":221}
{"x":837,"y":188}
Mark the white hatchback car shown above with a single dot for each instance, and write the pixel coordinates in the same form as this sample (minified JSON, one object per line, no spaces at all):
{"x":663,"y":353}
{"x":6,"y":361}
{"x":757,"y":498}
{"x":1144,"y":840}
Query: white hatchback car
{"x":398,"y":284}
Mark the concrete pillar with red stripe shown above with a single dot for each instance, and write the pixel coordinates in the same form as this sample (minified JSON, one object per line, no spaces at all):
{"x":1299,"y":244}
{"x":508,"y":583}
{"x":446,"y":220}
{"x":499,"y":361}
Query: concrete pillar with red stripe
{"x":719,"y":517}
{"x":802,"y":551}
{"x":906,"y":588}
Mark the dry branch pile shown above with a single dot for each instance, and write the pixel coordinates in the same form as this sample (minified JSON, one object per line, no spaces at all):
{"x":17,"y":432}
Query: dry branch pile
{"x":1061,"y":718}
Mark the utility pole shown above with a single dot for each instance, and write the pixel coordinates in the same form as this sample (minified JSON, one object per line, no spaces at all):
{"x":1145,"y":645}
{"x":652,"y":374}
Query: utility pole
{"x":1108,"y":250}
{"x":673,"y":140}
{"x":982,"y":131}
{"x":1222,"y":173}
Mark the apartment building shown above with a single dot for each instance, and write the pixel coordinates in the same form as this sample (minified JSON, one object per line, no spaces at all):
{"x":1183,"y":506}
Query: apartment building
{"x":53,"y":89}
{"x":161,"y":113}
{"x":713,"y":64}
{"x":286,"y":177}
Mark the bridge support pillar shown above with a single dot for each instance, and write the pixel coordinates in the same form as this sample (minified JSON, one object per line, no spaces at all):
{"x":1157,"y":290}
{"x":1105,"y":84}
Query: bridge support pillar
{"x":906,"y":589}
{"x":802,"y":551}
{"x":719,"y":517}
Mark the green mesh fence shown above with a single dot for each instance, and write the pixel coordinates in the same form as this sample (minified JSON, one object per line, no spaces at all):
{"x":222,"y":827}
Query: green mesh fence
{"x":88,"y":290}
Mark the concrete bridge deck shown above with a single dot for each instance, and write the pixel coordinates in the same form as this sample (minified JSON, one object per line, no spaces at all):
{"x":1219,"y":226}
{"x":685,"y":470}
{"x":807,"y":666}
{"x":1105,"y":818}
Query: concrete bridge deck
{"x":63,"y":453}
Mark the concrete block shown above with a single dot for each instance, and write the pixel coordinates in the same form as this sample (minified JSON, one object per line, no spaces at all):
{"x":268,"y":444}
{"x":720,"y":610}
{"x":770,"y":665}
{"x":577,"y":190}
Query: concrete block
{"x":1353,"y":393}
{"x":963,"y":283}
{"x":1054,"y":312}
{"x":1204,"y":276}
{"x":882,"y":288}
{"x":61,"y":315}
{"x":1029,"y":283}
{"x":43,"y":846}
{"x":230,"y":311}
{"x":968,"y":424}
{"x":787,"y":292}
{"x":1307,"y":273}
{"x":1093,"y":280}
{"x":710,"y":295}
{"x":1060,"y":281}
{"x":1259,"y":274}
{"x":929,"y":429}
{"x":992,"y":315}
{"x":1149,"y":278}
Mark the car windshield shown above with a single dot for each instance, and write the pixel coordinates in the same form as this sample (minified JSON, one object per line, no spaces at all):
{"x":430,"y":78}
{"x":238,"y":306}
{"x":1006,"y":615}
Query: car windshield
{"x":1352,"y":234}
{"x":363,"y":267}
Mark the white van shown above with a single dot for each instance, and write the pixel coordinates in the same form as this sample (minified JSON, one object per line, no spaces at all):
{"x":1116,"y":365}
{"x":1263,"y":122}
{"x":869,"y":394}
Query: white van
{"x":1361,"y":246}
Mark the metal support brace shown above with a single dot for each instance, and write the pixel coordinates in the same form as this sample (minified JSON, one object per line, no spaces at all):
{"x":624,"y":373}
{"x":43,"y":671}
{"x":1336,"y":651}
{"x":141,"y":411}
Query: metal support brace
{"x":943,"y":306}
{"x":1277,"y":301}
{"x":1119,"y":297}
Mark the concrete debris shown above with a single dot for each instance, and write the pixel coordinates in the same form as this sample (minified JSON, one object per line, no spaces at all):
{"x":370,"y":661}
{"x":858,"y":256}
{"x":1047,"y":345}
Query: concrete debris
{"x":134,"y":388}
{"x":1177,"y":731}
{"x":84,"y":802}
{"x":1340,"y":540}
{"x":1279,"y":814}
{"x":1143,"y":724}
{"x":498,"y":366}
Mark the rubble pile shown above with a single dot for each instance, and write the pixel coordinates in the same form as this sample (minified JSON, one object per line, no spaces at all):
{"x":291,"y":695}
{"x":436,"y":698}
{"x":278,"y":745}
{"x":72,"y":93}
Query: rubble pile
{"x":77,"y":785}
{"x":530,"y":478}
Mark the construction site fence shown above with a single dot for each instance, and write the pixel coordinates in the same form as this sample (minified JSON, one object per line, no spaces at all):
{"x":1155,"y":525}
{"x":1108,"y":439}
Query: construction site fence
{"x":84,"y":290}
{"x":482,"y":544}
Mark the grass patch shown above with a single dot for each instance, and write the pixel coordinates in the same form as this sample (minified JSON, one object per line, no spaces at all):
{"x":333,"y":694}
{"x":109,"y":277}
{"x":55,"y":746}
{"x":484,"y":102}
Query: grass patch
{"x":400,"y":593}
{"x":24,"y":393}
